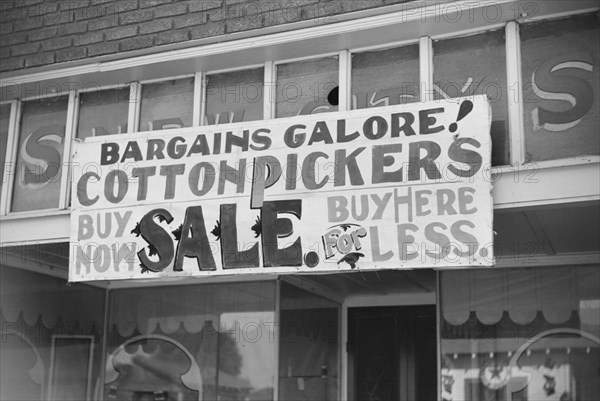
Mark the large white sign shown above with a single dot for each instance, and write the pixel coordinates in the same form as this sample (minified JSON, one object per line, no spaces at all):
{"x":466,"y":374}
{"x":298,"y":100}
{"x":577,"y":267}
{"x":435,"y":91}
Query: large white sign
{"x":383,"y":188}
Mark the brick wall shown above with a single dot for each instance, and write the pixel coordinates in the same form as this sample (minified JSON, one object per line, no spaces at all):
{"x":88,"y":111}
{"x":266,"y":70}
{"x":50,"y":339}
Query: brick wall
{"x":34,"y":33}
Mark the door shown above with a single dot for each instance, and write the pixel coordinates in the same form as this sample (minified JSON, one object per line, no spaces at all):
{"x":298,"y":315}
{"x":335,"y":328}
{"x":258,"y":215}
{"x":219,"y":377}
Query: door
{"x":392,"y":353}
{"x":308,"y":346}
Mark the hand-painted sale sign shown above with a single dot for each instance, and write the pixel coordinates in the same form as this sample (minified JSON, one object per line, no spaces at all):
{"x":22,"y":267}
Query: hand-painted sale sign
{"x":392,"y":187}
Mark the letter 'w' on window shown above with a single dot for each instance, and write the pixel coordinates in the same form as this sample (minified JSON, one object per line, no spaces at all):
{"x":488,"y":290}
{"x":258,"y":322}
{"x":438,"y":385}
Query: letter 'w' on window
{"x":233,"y":97}
{"x":167,"y":104}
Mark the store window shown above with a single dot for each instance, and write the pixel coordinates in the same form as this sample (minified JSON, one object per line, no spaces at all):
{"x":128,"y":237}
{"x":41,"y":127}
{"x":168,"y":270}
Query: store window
{"x":51,"y":344}
{"x":103,"y":112}
{"x":307,"y":87}
{"x":521,"y":334}
{"x":476,"y":65}
{"x":4,"y":121}
{"x":194,"y":342}
{"x":308,"y":350}
{"x":560,"y":63}
{"x":167,"y":104}
{"x":385,"y":77}
{"x":233,"y":97}
{"x":40,"y":154}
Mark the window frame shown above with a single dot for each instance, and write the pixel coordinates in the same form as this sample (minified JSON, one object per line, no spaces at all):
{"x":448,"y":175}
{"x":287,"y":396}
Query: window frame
{"x":203,"y":95}
{"x":521,"y":144}
{"x":10,"y":156}
{"x":135,"y":99}
{"x":512,"y":53}
{"x":14,"y":132}
{"x":342,"y":71}
{"x":104,"y":88}
{"x":425,"y":44}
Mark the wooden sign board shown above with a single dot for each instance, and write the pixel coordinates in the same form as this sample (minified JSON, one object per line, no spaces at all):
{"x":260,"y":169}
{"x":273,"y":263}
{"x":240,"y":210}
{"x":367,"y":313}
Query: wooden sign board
{"x":393,"y":187}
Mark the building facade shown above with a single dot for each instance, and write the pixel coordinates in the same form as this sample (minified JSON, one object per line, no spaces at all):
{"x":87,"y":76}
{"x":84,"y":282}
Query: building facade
{"x":188,"y":211}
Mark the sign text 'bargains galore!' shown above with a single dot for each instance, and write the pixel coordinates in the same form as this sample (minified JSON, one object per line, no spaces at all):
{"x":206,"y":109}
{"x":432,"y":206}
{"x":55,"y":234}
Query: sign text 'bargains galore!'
{"x":385,"y":188}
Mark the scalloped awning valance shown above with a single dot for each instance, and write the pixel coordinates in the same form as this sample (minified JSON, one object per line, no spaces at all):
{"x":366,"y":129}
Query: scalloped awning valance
{"x":39,"y":297}
{"x":555,"y":291}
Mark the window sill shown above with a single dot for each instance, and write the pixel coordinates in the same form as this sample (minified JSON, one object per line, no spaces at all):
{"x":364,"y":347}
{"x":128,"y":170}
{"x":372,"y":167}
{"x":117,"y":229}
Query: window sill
{"x":35,"y":214}
{"x":545,"y":164}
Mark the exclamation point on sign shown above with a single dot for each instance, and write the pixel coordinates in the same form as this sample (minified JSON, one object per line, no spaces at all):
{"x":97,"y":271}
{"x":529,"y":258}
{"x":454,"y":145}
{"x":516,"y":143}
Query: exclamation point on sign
{"x":464,"y":109}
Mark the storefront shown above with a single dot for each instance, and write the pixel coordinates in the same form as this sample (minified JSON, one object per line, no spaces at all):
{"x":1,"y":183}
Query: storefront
{"x":400,"y":203}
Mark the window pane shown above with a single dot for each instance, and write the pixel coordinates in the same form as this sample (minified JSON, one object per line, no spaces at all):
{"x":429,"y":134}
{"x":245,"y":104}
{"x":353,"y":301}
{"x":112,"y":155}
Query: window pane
{"x":385,"y":77}
{"x":560,"y":88}
{"x":103,"y":112}
{"x":234,"y":96}
{"x":35,"y":310}
{"x":208,"y":342}
{"x":476,"y":65}
{"x":40,"y":153}
{"x":167,"y":105}
{"x":304,"y":87}
{"x":521,"y":334}
{"x":308,"y":350}
{"x":4,"y":120}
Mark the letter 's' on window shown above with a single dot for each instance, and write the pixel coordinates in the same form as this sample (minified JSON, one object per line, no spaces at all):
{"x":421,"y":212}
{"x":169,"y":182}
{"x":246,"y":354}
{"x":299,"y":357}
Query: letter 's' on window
{"x":385,"y":77}
{"x":4,"y":119}
{"x":304,"y":87}
{"x":167,"y":104}
{"x":233,"y":97}
{"x":560,"y":87}
{"x":103,"y":112}
{"x":476,"y":65}
{"x":40,"y":154}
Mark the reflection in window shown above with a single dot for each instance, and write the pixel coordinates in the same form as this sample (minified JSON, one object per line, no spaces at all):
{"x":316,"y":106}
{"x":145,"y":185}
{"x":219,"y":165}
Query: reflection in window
{"x":303,"y":87}
{"x":103,"y":112}
{"x":560,"y":62}
{"x":385,"y":77}
{"x":201,"y":342}
{"x":476,"y":65}
{"x":233,"y":97}
{"x":35,"y":309}
{"x":40,"y":152}
{"x":4,"y":121}
{"x":308,"y":350}
{"x":521,"y":334}
{"x":167,"y":104}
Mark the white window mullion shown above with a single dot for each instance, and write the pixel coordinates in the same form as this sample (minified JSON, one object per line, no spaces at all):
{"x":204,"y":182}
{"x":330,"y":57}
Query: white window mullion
{"x":277,"y":339}
{"x":65,"y":178}
{"x":345,"y":77}
{"x":198,"y":100}
{"x":438,"y":330}
{"x":515,"y":94}
{"x":10,"y":166}
{"x":344,"y":353}
{"x":269,"y":93}
{"x":135,"y":100}
{"x":426,"y":68}
{"x":203,"y":97}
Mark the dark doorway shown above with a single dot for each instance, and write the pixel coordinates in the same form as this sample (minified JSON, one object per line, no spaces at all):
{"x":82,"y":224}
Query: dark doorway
{"x":392,"y":353}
